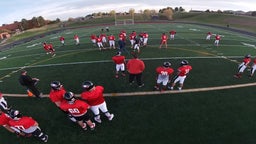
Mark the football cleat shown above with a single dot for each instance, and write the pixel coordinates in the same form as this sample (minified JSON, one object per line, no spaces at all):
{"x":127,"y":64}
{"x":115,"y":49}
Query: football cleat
{"x":110,"y":117}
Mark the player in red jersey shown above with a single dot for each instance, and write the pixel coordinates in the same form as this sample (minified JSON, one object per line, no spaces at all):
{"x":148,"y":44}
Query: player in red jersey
{"x":253,"y":68}
{"x":119,"y":60}
{"x":163,"y":75}
{"x":56,"y":95}
{"x":172,"y":34}
{"x":217,"y":40}
{"x":243,"y":66}
{"x":163,"y":40}
{"x":99,"y":43}
{"x":62,"y":40}
{"x":5,"y":118}
{"x":208,"y":36}
{"x":26,"y":125}
{"x":104,"y":39}
{"x":49,"y":49}
{"x":122,"y":36}
{"x":78,"y":109}
{"x":131,"y":37}
{"x":183,"y":71}
{"x":93,"y":39}
{"x":145,"y":39}
{"x":94,"y":96}
{"x":111,"y":41}
{"x":76,"y":39}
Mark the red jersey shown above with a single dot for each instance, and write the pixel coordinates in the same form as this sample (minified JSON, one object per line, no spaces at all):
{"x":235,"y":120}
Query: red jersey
{"x":62,"y":38}
{"x":46,"y":47}
{"x":93,"y":37}
{"x":135,"y":66}
{"x":164,"y":38}
{"x":209,"y":33}
{"x":122,"y":36}
{"x":217,"y":37}
{"x":118,"y":59}
{"x":4,"y":119}
{"x":145,"y":35}
{"x":184,"y":70}
{"x":94,"y":97}
{"x":23,"y":123}
{"x":99,"y":39}
{"x":132,"y":36}
{"x":78,"y":108}
{"x":246,"y":61}
{"x":111,"y":37}
{"x":172,"y":32}
{"x":76,"y":37}
{"x":103,"y":35}
{"x":57,"y":95}
{"x":164,"y":72}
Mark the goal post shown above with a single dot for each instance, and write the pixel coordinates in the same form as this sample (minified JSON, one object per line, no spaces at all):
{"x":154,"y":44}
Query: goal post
{"x":124,"y":19}
{"x":124,"y":22}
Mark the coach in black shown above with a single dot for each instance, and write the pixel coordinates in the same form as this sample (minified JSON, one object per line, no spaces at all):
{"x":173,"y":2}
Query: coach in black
{"x":30,"y":83}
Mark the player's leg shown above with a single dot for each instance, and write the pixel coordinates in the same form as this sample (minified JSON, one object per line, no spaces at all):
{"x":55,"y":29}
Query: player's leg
{"x":104,"y":109}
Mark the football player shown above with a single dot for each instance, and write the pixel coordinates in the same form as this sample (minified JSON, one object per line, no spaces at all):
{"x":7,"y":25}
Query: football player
{"x":243,"y":66}
{"x":217,"y":40}
{"x":26,"y":125}
{"x":163,"y":40}
{"x":56,"y":96}
{"x":172,"y":34}
{"x":163,"y":75}
{"x":208,"y":36}
{"x":78,"y":109}
{"x":253,"y":68}
{"x":76,"y":39}
{"x":119,"y":60}
{"x":182,"y":73}
{"x":94,"y":96}
{"x":111,"y":41}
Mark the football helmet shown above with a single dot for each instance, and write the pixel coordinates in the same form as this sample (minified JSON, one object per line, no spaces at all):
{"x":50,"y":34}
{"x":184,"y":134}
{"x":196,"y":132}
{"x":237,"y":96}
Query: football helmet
{"x":15,"y":114}
{"x":87,"y":85}
{"x":166,"y":64}
{"x":69,"y":96}
{"x":118,"y":53}
{"x":55,"y":85}
{"x":247,"y":56}
{"x":184,"y":62}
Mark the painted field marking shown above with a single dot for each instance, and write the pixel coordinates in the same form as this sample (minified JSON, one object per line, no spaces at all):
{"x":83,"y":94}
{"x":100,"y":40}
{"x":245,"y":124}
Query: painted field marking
{"x":158,"y":92}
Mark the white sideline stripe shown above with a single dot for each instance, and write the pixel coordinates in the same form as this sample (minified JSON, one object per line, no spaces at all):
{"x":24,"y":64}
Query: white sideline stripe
{"x":106,"y":61}
{"x":158,"y":92}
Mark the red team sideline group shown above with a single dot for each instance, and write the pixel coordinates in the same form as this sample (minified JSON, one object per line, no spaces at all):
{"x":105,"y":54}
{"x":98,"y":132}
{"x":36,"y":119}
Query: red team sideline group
{"x":91,"y":99}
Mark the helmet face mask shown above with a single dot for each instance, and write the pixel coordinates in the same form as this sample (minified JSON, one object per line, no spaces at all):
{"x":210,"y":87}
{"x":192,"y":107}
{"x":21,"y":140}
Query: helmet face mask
{"x":56,"y":85}
{"x":87,"y":85}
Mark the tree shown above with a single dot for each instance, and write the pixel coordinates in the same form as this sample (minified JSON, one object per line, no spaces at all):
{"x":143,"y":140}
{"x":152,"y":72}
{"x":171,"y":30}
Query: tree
{"x":112,"y":13}
{"x":131,"y":11}
{"x":35,"y":22}
{"x":166,"y":12}
{"x":181,"y":9}
{"x":41,"y":21}
{"x":176,"y":9}
{"x":146,"y":14}
{"x":254,"y":13}
{"x":24,"y":24}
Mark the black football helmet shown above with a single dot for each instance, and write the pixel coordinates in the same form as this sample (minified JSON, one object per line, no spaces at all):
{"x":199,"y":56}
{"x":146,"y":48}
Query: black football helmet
{"x":184,"y":62}
{"x":87,"y":85}
{"x":55,"y":85}
{"x":166,"y":64}
{"x":69,"y":96}
{"x":247,"y":56}
{"x":15,"y":114}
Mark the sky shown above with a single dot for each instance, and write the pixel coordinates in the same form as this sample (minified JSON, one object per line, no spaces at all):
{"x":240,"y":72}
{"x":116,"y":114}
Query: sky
{"x":15,"y":10}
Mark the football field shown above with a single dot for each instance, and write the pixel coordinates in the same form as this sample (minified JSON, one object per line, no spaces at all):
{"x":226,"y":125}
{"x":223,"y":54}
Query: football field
{"x":213,"y":107}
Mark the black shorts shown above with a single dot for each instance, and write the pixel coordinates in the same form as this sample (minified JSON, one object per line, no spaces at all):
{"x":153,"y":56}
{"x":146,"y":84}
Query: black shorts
{"x":84,"y":117}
